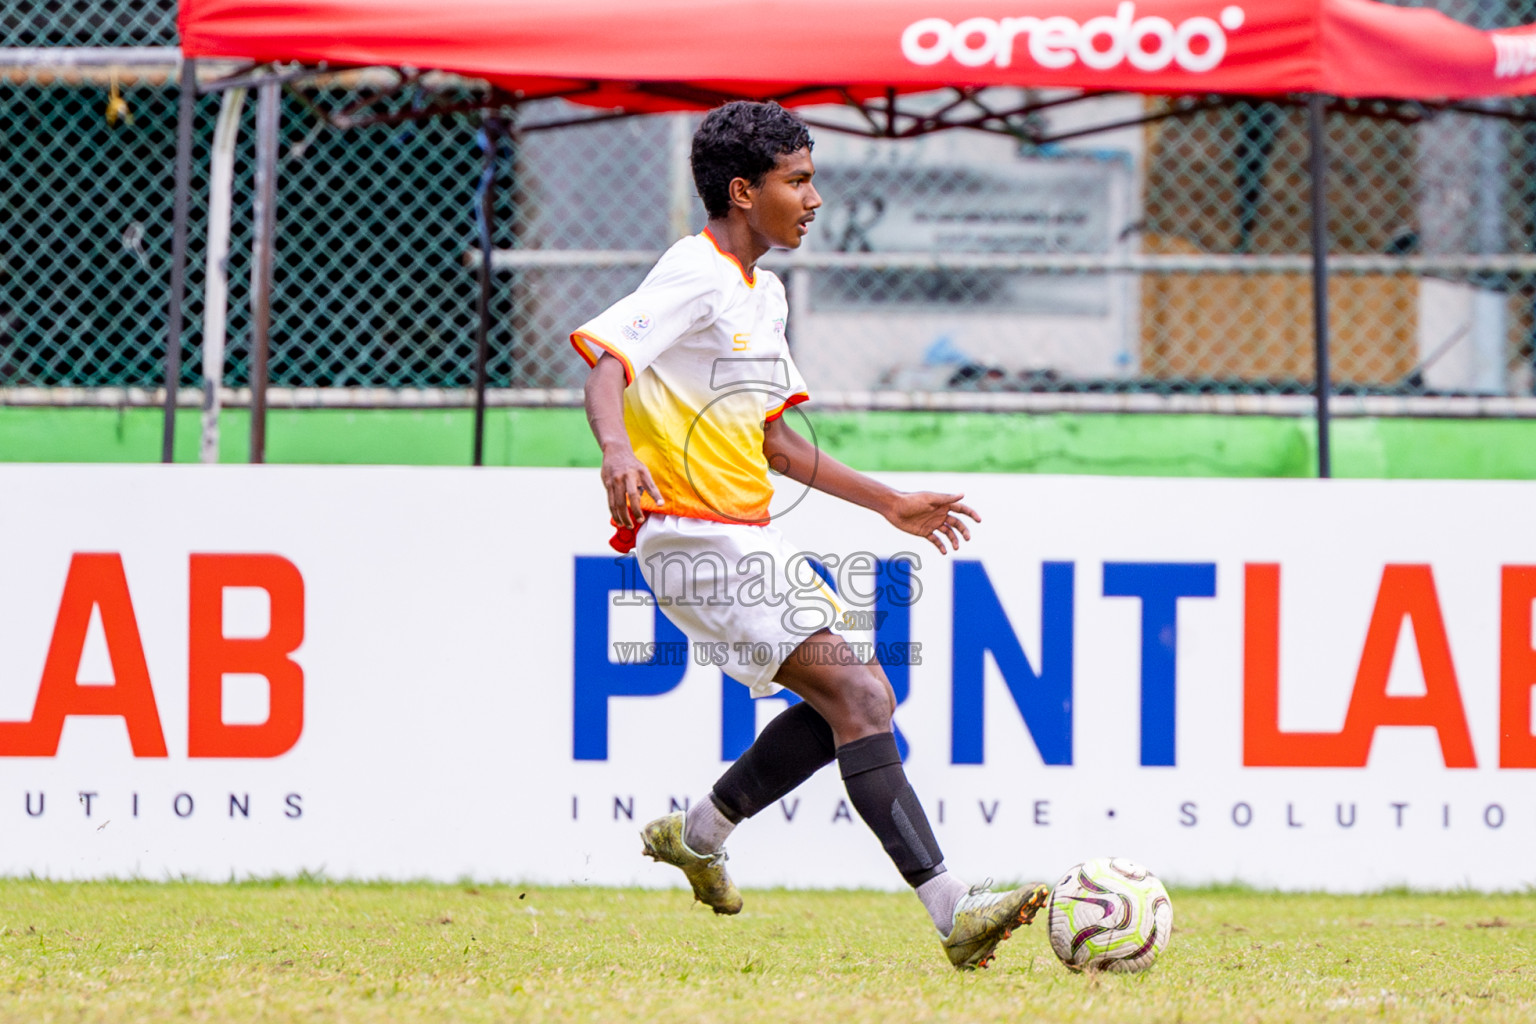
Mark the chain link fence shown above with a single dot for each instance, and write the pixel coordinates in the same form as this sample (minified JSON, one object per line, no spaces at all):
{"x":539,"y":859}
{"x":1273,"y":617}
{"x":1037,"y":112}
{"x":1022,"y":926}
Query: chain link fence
{"x":1430,"y":227}
{"x":371,"y":284}
{"x":1167,"y":258}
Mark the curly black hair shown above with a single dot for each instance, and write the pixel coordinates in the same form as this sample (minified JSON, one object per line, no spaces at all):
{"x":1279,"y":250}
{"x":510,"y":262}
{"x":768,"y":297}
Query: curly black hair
{"x":741,"y":140}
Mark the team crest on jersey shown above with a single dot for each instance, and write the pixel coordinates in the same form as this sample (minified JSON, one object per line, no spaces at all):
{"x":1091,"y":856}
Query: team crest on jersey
{"x":638,"y":328}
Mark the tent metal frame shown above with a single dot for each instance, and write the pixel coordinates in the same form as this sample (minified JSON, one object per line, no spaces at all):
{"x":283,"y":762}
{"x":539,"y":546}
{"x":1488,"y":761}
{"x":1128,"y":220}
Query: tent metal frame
{"x":884,"y":116}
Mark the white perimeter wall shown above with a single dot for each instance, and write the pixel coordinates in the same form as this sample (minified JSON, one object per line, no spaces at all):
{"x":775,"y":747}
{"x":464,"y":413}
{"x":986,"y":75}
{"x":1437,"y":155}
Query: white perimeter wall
{"x":439,"y":688}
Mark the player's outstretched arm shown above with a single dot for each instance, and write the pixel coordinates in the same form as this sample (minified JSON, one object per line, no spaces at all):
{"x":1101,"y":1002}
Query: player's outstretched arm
{"x":921,"y":513}
{"x":624,"y":475}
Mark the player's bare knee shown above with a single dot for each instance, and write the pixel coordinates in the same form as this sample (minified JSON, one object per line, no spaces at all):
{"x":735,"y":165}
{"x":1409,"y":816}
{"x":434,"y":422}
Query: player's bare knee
{"x":869,"y":703}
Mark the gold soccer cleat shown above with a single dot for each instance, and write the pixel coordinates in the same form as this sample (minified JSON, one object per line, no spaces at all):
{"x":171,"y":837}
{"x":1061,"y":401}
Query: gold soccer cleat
{"x":712,"y":885}
{"x":983,"y":919}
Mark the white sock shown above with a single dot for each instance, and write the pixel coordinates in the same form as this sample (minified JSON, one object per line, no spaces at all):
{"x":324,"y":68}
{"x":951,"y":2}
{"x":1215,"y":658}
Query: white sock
{"x":939,"y":895}
{"x":705,"y":828}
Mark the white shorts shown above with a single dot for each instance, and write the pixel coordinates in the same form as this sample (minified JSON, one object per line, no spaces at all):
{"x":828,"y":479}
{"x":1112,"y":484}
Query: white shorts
{"x":742,"y":592}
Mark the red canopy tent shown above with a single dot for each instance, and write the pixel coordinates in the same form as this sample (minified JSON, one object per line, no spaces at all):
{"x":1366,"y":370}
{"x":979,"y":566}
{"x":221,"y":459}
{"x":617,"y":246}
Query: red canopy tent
{"x":807,"y":51}
{"x":691,"y":54}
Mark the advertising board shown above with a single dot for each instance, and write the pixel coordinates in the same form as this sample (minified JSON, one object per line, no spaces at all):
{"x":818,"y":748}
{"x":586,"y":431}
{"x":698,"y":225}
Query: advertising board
{"x":402,"y":673}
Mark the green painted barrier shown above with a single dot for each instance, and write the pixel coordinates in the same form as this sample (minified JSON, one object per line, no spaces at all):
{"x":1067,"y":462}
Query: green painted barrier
{"x":1112,"y":444}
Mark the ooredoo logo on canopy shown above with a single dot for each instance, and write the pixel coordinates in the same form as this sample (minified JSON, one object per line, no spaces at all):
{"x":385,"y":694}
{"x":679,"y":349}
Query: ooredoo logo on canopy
{"x":1150,"y":43}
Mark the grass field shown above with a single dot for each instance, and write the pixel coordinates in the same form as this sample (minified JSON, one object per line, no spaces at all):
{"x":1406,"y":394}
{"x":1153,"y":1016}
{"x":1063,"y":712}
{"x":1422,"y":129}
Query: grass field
{"x":314,"y":951}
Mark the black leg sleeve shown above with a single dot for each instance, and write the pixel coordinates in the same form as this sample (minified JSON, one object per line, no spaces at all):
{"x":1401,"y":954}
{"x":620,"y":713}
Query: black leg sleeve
{"x":881,"y":794}
{"x":790,"y":749}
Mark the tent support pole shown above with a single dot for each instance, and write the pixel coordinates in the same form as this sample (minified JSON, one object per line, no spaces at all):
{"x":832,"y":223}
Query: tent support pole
{"x":221,"y":176}
{"x":186,"y":106}
{"x":264,"y":227}
{"x":1318,"y":165}
{"x":490,"y":135}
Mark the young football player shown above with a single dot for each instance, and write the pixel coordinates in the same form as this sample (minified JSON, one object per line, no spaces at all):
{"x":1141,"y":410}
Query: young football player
{"x":690,"y":378}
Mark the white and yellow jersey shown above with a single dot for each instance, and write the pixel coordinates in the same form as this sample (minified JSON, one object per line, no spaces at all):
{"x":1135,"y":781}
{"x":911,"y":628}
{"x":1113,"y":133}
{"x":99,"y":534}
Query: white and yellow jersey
{"x":706,"y":367}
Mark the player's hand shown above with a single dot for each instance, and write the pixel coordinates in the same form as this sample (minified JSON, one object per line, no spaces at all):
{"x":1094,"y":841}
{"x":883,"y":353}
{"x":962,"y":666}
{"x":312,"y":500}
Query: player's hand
{"x":626,"y":478}
{"x":934,"y":516}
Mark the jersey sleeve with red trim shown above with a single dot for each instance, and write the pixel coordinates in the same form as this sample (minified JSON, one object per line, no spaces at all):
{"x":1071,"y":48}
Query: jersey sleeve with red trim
{"x":793,"y":393}
{"x":676,"y":296}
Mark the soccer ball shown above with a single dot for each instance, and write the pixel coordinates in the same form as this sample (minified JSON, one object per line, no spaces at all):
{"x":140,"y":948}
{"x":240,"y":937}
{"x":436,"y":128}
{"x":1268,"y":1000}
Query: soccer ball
{"x":1109,"y":914}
